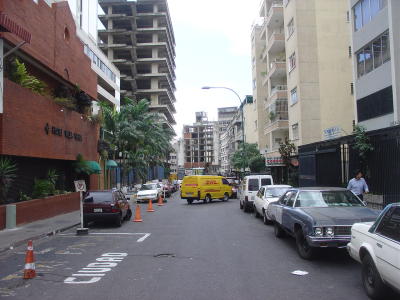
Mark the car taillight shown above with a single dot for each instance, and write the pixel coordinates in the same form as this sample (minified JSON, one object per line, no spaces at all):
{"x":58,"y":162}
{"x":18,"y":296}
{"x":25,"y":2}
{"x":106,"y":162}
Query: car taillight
{"x":246,"y":198}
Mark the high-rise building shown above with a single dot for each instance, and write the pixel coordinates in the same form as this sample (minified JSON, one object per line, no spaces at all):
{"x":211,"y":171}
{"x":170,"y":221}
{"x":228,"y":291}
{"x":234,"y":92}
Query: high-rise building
{"x":301,"y":52}
{"x":201,"y":144}
{"x":138,"y":38}
{"x":375,"y":27}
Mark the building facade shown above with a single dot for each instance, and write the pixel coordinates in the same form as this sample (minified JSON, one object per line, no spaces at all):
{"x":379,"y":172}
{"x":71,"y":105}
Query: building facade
{"x":201,"y":144}
{"x":138,"y":38}
{"x":304,"y":47}
{"x":36,"y":132}
{"x":376,"y":60}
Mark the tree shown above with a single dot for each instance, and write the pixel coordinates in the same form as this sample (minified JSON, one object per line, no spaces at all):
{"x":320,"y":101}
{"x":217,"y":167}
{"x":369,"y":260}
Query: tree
{"x":8,"y":172}
{"x":257,"y":164}
{"x":363,"y":145}
{"x":242,"y":158}
{"x":287,"y":150}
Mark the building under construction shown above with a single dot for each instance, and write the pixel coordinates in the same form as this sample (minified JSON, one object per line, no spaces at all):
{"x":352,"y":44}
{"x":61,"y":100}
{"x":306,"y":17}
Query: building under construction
{"x":139,"y":39}
{"x":201,"y":144}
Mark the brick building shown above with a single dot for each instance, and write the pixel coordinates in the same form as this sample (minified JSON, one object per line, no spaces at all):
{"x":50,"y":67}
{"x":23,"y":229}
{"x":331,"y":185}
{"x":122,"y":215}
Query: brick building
{"x":35,"y":131}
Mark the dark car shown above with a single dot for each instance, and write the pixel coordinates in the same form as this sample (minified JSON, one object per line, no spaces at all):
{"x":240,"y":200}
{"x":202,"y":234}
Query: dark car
{"x":318,"y":217}
{"x":106,"y":206}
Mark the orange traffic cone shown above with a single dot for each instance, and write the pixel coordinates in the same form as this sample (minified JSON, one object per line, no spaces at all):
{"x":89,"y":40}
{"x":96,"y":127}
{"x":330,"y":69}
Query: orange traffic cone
{"x":29,"y":271}
{"x":160,"y":201}
{"x":138,"y":217}
{"x":150,"y":207}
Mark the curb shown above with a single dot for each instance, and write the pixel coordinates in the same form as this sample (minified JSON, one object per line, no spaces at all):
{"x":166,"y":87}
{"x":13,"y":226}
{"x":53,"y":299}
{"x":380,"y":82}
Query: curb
{"x":37,"y":237}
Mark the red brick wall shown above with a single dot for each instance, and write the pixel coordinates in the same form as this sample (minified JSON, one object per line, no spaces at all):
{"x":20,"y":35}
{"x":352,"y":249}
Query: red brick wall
{"x":2,"y":217}
{"x":48,"y":46}
{"x":24,"y":119}
{"x":38,"y":209}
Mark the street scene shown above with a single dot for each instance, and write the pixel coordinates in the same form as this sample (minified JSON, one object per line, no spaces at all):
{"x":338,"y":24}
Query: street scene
{"x":183,"y":149}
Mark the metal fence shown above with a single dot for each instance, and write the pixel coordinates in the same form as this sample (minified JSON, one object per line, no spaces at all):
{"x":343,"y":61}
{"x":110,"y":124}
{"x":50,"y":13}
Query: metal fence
{"x":333,"y":163}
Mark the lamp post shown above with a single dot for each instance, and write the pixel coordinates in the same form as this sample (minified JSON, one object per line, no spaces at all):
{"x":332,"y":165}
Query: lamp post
{"x":241,"y":106}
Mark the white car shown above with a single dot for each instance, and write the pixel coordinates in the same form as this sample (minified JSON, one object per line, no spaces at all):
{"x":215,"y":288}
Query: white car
{"x":266,"y":195}
{"x":249,"y":188}
{"x":377,"y":247}
{"x":148,"y":191}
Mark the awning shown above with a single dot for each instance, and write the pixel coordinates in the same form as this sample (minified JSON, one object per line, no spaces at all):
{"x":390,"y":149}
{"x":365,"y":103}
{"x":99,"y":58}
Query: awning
{"x":110,"y":164}
{"x":94,"y":167}
{"x":8,"y":25}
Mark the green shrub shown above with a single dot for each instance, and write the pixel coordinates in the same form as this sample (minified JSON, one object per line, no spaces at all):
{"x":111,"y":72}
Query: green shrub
{"x":43,"y":188}
{"x":66,"y":102}
{"x":8,"y":172}
{"x":23,"y":197}
{"x":21,"y":76}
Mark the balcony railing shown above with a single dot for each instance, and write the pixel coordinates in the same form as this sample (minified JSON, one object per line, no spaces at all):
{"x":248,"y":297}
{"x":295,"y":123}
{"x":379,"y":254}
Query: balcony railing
{"x":277,"y":88}
{"x":275,"y":4}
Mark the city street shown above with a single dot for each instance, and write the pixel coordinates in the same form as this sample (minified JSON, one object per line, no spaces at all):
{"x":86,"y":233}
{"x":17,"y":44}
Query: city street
{"x":201,"y":251}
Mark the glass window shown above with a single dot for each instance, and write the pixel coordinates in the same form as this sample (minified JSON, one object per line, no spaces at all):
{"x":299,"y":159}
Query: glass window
{"x":286,"y":197}
{"x":327,"y":199}
{"x":253,"y":185}
{"x":390,"y":224}
{"x":265,"y":181}
{"x":385,"y":47}
{"x":357,"y":12}
{"x":290,"y":201}
{"x":368,"y":59}
{"x":293,"y":96}
{"x":292,"y":61}
{"x":360,"y":63}
{"x":366,"y":12}
{"x":98,"y":197}
{"x":224,"y":181}
{"x":377,"y":50}
{"x":275,"y":192}
{"x":375,"y":7}
{"x":290,"y":27}
{"x":295,"y":131}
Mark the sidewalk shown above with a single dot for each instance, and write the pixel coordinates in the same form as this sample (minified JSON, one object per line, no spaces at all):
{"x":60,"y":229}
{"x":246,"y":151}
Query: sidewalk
{"x":35,"y":230}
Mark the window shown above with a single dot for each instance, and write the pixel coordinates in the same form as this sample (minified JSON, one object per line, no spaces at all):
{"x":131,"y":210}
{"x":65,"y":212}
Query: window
{"x":254,"y":84}
{"x":350,"y":53}
{"x":293,"y":96}
{"x":253,"y":185}
{"x":290,"y":201}
{"x":390,"y":224}
{"x":284,"y":200}
{"x":265,"y":181}
{"x":375,"y":105}
{"x":292,"y":61}
{"x":373,"y":54}
{"x":347,"y":16}
{"x":224,"y":181}
{"x":365,"y":10}
{"x":290,"y":28}
{"x":351,"y":88}
{"x":255,"y":125}
{"x":295,"y":131}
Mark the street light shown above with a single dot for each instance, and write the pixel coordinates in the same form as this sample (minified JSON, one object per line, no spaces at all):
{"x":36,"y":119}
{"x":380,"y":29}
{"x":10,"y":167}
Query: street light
{"x":241,"y":106}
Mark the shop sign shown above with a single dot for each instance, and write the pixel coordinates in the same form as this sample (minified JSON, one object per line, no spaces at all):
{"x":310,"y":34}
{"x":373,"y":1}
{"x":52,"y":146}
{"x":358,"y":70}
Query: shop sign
{"x":332,"y":133}
{"x":61,"y":132}
{"x":274,"y":161}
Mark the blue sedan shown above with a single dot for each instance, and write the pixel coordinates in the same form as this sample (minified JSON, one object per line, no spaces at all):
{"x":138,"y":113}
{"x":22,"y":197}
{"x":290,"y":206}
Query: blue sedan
{"x":318,"y":217}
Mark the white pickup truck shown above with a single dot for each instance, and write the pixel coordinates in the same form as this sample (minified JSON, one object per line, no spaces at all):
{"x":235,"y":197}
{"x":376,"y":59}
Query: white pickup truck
{"x":377,"y":247}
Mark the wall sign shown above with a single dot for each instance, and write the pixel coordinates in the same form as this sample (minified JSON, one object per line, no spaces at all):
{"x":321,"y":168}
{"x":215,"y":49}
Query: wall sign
{"x":332,"y":133}
{"x":60,"y":132}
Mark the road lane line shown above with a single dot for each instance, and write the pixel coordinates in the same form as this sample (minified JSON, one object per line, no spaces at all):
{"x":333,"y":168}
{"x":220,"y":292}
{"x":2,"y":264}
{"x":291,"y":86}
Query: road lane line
{"x":143,"y":238}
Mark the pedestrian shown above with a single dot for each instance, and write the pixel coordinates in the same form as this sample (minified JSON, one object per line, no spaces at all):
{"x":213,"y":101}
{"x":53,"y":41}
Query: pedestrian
{"x":358,"y":185}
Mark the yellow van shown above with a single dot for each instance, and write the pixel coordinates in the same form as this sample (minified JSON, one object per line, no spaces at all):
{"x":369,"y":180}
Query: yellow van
{"x":206,"y":188}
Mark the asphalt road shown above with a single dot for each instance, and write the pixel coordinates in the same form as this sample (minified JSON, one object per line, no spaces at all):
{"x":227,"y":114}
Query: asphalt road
{"x":199,"y":251}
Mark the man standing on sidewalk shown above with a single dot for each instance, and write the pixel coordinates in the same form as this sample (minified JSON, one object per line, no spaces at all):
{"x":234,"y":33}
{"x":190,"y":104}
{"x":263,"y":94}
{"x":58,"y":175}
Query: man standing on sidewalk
{"x":358,"y":185}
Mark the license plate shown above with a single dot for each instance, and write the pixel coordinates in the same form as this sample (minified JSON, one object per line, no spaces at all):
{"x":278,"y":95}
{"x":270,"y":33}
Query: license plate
{"x":97,"y":210}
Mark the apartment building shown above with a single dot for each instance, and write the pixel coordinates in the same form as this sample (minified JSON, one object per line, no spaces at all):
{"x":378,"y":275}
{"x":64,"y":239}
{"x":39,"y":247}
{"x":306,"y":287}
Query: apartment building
{"x":225,"y":117}
{"x":308,"y":71}
{"x":85,"y":14}
{"x":375,"y":28}
{"x":138,"y":38}
{"x":201,"y":144}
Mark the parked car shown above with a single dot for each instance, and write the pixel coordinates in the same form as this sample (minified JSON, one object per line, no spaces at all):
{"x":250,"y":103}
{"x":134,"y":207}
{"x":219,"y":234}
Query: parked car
{"x":106,"y":205}
{"x":318,"y":217}
{"x":267,"y":194}
{"x":249,"y":188}
{"x":377,"y":247}
{"x":167,"y":190}
{"x":149,"y":191}
{"x":205,"y":188}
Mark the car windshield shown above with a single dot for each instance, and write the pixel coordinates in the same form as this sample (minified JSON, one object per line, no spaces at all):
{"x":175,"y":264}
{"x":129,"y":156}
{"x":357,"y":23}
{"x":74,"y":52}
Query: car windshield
{"x":98,"y":197}
{"x":265,"y":181}
{"x":275,"y":192}
{"x":327,"y":199}
{"x":253,"y":185}
{"x":148,"y":187}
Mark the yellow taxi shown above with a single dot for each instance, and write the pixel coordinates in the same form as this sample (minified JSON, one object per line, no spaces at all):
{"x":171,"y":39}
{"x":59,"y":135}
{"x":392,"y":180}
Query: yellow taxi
{"x":206,"y":188}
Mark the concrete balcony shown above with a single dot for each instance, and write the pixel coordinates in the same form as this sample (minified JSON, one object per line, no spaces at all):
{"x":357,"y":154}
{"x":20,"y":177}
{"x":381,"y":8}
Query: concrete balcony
{"x":276,"y":42}
{"x":277,"y":125}
{"x":278,"y":89}
{"x":105,"y":46}
{"x":163,"y":30}
{"x":105,"y":95}
{"x":161,"y":76}
{"x":164,"y":92}
{"x":275,"y":14}
{"x":277,"y":69}
{"x":165,"y":110}
{"x":161,"y":61}
{"x":159,"y":45}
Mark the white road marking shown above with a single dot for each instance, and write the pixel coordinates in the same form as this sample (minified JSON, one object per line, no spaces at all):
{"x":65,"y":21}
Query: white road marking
{"x":140,"y":240}
{"x":143,"y":238}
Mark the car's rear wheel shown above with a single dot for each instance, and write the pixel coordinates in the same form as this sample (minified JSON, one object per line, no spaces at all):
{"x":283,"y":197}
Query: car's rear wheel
{"x":128,"y":215}
{"x":240,"y":204}
{"x":303,"y":247}
{"x":118,"y":221}
{"x":373,"y":284}
{"x":278,"y":231}
{"x":189,"y":201}
{"x":226,"y":197}
{"x":247,"y":207}
{"x":256,"y":214}
{"x":207,"y":198}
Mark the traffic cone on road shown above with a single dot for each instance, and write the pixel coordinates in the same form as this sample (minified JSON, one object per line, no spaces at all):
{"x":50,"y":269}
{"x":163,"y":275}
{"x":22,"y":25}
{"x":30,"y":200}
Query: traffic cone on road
{"x":150,"y":207}
{"x":138,"y":217}
{"x":160,"y":201}
{"x":29,"y":271}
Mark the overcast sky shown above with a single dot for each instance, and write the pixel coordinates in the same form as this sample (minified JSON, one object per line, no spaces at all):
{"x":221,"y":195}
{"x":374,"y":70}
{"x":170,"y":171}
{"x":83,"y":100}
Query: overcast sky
{"x":212,"y":48}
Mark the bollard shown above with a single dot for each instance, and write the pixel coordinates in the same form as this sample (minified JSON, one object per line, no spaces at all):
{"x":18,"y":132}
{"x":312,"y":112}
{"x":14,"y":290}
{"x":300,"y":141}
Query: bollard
{"x":11,"y":216}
